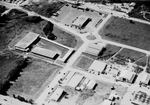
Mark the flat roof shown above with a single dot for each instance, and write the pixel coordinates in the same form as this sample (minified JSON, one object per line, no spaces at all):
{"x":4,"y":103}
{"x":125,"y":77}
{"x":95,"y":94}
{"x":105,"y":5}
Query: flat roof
{"x":92,"y":51}
{"x":80,"y":20}
{"x":57,"y":94}
{"x":75,"y":80}
{"x":96,"y":46}
{"x":91,"y":84}
{"x":146,"y":78}
{"x":127,"y":74}
{"x":98,"y":66}
{"x":44,"y":52}
{"x":27,"y":40}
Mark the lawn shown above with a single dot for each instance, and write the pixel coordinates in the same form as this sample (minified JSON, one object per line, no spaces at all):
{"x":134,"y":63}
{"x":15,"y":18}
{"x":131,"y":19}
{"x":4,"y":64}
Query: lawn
{"x":127,"y":32}
{"x":142,"y":62}
{"x":8,"y":66}
{"x":33,"y":80}
{"x":128,"y":54}
{"x":83,"y":62}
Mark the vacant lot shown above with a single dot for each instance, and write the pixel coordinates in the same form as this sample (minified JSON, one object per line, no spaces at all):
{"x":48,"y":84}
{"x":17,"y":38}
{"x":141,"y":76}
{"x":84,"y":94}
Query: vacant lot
{"x":108,"y":52}
{"x":8,"y":66}
{"x":83,"y":62}
{"x":33,"y":79}
{"x":127,"y":32}
{"x":128,"y":54}
{"x":142,"y":61}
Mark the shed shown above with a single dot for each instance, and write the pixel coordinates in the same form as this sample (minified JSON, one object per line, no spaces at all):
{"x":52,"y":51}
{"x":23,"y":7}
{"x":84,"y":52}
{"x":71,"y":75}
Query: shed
{"x":92,"y":51}
{"x":45,"y":52}
{"x":75,"y":80}
{"x":27,"y":41}
{"x":91,"y":84}
{"x":57,"y":94}
{"x":98,"y":66}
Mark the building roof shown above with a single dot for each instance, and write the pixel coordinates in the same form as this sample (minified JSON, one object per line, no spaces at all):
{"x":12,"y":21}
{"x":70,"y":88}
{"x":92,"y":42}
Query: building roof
{"x":75,"y":80}
{"x":127,"y":74}
{"x":80,"y":20}
{"x":44,"y":52}
{"x":98,"y":66}
{"x":92,"y":51}
{"x":27,"y":40}
{"x":96,"y":46}
{"x":57,"y":94}
{"x":106,"y":102}
{"x":146,"y":79}
{"x":91,"y":84}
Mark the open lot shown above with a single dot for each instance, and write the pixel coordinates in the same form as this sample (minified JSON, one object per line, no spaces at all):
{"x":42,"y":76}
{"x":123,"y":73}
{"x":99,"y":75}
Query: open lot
{"x":33,"y":80}
{"x":129,"y":55}
{"x":127,"y":32}
{"x":83,"y":62}
{"x":142,"y":62}
{"x":54,"y":47}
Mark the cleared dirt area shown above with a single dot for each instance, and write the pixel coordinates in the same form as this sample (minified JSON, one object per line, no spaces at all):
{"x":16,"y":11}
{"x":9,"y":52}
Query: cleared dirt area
{"x":34,"y":78}
{"x":83,"y":62}
{"x":127,"y":32}
{"x":129,"y":55}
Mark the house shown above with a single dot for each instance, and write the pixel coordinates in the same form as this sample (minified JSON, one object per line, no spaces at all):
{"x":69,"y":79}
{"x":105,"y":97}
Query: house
{"x":106,"y":102}
{"x":91,"y":84}
{"x":75,"y":80}
{"x":98,"y":66}
{"x":128,"y":76}
{"x":94,"y":49}
{"x":81,"y":21}
{"x":57,"y":94}
{"x":25,"y":43}
{"x":45,"y":52}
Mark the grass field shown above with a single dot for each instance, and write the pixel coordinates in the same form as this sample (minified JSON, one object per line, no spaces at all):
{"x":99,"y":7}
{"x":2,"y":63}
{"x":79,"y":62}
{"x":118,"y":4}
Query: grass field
{"x":33,"y":79}
{"x":126,"y":32}
{"x":128,"y":54}
{"x":83,"y":62}
{"x":8,"y":66}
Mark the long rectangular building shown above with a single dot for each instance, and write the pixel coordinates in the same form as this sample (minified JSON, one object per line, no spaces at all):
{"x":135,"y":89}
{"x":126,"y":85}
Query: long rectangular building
{"x":75,"y":80}
{"x":26,"y":42}
{"x":45,"y":52}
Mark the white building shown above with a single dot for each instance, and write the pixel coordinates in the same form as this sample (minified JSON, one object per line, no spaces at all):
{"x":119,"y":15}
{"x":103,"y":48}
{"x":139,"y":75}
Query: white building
{"x":98,"y":66}
{"x":75,"y":80}
{"x":57,"y":94}
{"x":27,"y":41}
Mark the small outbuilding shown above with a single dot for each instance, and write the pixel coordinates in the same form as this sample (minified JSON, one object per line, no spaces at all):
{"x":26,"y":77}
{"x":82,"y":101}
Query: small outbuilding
{"x":146,"y":79}
{"x":91,"y":84}
{"x":57,"y":94}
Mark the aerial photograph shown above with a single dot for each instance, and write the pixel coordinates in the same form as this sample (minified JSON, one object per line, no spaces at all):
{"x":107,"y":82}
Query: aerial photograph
{"x":74,"y":52}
